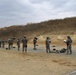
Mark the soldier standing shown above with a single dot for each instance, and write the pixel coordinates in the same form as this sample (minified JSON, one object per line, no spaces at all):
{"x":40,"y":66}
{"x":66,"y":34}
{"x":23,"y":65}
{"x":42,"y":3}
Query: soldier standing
{"x":35,"y":42}
{"x":47,"y":42}
{"x":24,"y":44}
{"x":69,"y":43}
{"x":18,"y":44}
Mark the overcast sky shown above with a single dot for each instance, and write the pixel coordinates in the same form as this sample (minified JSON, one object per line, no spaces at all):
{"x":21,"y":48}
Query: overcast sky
{"x":16,"y":12}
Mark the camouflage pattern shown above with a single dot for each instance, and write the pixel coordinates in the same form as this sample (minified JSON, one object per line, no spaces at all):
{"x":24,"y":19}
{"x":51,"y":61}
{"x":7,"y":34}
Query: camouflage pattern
{"x":24,"y":44}
{"x":47,"y":42}
{"x":69,"y":45}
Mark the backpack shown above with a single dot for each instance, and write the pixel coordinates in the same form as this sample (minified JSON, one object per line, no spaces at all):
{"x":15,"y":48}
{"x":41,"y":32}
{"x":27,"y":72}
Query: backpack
{"x":63,"y":50}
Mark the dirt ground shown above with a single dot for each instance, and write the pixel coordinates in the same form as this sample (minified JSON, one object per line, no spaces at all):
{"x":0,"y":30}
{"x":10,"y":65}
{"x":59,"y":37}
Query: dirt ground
{"x":36,"y":62}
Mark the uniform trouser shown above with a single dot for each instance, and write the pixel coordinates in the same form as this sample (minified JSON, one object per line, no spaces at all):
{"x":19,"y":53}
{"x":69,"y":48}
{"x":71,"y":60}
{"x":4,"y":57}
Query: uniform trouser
{"x":34,"y":46}
{"x":3,"y":45}
{"x":48,"y":49}
{"x":0,"y":44}
{"x":69,"y":49}
{"x":18,"y":47}
{"x":9,"y":46}
{"x":24,"y":48}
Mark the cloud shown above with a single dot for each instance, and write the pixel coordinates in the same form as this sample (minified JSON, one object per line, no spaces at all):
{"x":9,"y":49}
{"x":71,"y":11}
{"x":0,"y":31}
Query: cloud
{"x":14,"y":12}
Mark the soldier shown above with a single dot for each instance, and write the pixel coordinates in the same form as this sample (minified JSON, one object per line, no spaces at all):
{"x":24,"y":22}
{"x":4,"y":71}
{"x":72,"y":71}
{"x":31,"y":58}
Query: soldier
{"x":47,"y":42}
{"x":69,"y":43}
{"x":18,"y":44}
{"x":24,"y":43}
{"x":35,"y":42}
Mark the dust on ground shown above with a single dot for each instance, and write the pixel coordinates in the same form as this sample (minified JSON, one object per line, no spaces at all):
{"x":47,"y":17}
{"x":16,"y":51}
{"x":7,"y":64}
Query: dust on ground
{"x":36,"y":62}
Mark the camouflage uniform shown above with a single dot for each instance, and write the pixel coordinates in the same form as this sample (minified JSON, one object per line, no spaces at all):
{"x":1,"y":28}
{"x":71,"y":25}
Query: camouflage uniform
{"x":34,"y":42}
{"x":47,"y":44}
{"x":24,"y":43}
{"x":18,"y":44}
{"x":69,"y":43}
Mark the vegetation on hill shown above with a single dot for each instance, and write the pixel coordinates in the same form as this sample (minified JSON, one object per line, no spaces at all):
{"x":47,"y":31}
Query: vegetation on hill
{"x":53,"y":27}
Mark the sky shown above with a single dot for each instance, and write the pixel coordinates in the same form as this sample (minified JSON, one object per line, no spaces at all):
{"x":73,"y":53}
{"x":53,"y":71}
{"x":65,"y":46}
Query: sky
{"x":21,"y":12}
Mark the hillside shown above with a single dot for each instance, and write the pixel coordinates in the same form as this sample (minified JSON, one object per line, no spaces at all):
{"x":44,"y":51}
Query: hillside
{"x":65,"y":26}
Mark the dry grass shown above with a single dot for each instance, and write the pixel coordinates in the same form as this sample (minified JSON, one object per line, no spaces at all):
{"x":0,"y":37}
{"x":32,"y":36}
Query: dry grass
{"x":65,"y":26}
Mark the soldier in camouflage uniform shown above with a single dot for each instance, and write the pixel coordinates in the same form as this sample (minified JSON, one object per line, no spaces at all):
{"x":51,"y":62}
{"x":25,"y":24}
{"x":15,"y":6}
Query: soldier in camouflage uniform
{"x":47,"y":42}
{"x":35,"y":42}
{"x":18,"y":44}
{"x":69,"y":43}
{"x":24,"y":44}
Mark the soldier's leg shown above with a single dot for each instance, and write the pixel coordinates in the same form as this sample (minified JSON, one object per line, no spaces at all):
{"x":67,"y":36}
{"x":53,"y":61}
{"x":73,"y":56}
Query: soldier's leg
{"x":18,"y":47}
{"x":49,"y":50}
{"x":0,"y":44}
{"x":9,"y":46}
{"x":23,"y":49}
{"x":12,"y":45}
{"x":46,"y":50}
{"x":3,"y":45}
{"x":67,"y":49}
{"x":35,"y":46}
{"x":70,"y":49}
